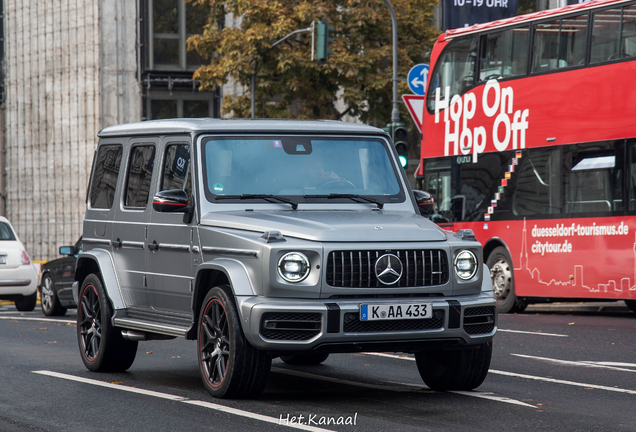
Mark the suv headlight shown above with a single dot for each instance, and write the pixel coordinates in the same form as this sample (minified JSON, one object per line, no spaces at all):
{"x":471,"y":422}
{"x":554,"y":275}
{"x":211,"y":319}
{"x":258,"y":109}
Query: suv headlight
{"x":294,"y":267}
{"x":465,"y":264}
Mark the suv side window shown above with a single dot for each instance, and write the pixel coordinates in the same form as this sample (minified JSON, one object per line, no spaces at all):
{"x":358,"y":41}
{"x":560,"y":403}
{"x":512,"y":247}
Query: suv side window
{"x":176,"y":168}
{"x":140,"y":166}
{"x":105,"y":174}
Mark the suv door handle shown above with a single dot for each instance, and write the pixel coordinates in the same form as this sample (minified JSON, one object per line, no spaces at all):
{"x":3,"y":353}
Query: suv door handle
{"x":153,"y":246}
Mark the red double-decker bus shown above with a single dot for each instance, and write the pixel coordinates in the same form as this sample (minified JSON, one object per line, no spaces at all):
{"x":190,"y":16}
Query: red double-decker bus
{"x":529,"y":139}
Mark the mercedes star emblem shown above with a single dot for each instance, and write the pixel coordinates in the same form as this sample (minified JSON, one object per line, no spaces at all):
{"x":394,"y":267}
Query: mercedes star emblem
{"x":388,"y":269}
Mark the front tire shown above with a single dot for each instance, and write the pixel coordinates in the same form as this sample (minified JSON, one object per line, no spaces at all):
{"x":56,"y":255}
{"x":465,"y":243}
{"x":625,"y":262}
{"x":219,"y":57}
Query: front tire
{"x":49,"y":301}
{"x":455,"y":370}
{"x":230,"y":367}
{"x":101,"y":345}
{"x":503,"y":281}
{"x":631,"y":304}
{"x":305,"y":359}
{"x":26,"y":303}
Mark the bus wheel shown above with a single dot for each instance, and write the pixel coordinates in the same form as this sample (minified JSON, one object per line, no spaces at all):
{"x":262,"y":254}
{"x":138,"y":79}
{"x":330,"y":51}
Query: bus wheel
{"x":631,"y":304}
{"x":503,"y":282}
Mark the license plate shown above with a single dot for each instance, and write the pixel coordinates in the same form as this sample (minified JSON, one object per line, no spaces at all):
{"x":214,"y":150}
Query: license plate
{"x":395,"y":311}
{"x":3,"y":259}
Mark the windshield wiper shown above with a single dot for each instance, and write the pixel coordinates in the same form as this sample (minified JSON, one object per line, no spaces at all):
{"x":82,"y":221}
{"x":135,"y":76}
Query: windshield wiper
{"x":266,"y":197}
{"x":352,"y":197}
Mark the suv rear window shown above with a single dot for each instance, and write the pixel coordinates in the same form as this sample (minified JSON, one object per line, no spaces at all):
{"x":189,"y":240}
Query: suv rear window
{"x":105,"y":174}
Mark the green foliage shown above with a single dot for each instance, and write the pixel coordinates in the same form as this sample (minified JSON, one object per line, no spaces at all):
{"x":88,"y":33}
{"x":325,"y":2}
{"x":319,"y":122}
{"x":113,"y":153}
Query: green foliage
{"x":288,"y":83}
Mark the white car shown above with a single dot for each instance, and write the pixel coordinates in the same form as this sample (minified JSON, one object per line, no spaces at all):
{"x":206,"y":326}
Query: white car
{"x":18,"y":276}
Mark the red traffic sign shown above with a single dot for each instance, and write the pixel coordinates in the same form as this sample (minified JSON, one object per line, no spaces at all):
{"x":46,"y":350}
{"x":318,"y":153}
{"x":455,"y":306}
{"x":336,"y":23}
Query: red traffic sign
{"x":415,"y":105}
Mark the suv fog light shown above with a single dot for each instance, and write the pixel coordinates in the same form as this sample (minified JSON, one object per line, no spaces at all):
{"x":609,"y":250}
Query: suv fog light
{"x":293,"y":267}
{"x":465,"y":264}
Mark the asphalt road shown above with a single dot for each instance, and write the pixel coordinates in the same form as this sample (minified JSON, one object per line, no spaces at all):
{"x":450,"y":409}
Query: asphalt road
{"x":560,"y":367}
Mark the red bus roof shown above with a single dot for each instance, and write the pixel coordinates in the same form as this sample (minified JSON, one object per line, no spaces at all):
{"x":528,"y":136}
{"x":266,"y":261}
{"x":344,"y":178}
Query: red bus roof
{"x":529,"y":17}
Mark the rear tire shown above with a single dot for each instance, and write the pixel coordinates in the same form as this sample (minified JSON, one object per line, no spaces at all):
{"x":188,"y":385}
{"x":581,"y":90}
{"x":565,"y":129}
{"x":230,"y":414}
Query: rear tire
{"x":631,"y":304}
{"x":101,"y":345}
{"x":230,"y":367}
{"x":454,"y":370}
{"x":503,"y":281}
{"x":26,"y":303}
{"x":49,"y":301}
{"x":305,"y":359}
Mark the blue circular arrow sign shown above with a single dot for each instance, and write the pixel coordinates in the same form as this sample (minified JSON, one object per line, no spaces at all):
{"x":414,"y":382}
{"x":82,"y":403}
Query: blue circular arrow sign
{"x":418,"y":75}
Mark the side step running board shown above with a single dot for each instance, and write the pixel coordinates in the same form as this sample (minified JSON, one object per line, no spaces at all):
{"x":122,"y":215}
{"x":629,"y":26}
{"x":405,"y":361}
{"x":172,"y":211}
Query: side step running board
{"x":151,"y":327}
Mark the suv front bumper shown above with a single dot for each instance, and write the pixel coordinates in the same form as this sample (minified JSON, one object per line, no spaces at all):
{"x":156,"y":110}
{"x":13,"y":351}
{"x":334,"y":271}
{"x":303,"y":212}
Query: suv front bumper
{"x":333,"y":325}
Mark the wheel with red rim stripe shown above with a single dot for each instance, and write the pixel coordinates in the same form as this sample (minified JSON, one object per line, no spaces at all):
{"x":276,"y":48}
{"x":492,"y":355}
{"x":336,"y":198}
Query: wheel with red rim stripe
{"x":230,"y":367}
{"x":102,"y":346}
{"x":214,"y":343}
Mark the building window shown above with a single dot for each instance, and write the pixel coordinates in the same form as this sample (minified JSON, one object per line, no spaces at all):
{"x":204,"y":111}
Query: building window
{"x":182,"y":104}
{"x":171,"y":23}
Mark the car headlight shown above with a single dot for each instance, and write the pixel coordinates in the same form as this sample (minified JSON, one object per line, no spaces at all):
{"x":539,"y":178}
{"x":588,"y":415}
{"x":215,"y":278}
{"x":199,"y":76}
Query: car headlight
{"x":465,"y":265}
{"x":294,"y":267}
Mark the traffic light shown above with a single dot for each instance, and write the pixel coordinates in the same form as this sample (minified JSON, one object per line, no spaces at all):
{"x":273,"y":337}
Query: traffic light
{"x":324,"y":36}
{"x":400,"y":136}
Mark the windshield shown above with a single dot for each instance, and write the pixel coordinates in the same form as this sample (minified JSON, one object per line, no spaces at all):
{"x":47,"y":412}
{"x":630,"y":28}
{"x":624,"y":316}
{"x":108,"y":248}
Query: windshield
{"x":304,"y":168}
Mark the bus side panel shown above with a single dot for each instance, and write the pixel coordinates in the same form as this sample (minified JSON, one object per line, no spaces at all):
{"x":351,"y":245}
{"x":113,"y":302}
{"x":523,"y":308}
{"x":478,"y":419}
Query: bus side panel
{"x":576,"y":258}
{"x":583,"y":105}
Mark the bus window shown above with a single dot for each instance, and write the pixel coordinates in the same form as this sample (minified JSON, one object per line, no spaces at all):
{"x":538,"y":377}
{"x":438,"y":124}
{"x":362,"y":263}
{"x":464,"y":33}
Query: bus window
{"x":608,"y":41}
{"x":504,"y":54}
{"x":455,"y":69}
{"x":538,"y":188}
{"x":559,"y":44}
{"x":593,"y":184}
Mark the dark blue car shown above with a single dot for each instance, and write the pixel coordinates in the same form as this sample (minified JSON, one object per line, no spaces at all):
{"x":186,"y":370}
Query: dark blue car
{"x":56,"y":295}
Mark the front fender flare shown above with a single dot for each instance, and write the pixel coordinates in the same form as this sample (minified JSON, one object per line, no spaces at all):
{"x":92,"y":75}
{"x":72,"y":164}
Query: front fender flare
{"x":104,"y":261}
{"x":235,"y":271}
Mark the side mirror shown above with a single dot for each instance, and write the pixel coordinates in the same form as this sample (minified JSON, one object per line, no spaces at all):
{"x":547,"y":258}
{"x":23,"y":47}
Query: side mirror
{"x":67,"y":250}
{"x":170,"y":201}
{"x":425,"y":202}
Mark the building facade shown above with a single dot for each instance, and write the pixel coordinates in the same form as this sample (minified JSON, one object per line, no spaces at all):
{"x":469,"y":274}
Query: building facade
{"x":71,"y":68}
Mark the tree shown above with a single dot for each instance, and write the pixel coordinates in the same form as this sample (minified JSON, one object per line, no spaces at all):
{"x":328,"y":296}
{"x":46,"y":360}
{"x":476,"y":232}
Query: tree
{"x":288,"y":83}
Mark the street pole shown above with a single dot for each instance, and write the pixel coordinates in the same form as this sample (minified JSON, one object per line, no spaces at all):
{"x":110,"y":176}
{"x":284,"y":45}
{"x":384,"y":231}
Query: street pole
{"x":395,"y":114}
{"x":311,"y":29}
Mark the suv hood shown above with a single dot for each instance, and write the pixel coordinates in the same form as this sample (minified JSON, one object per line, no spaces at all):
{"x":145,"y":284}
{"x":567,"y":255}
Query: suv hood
{"x":332,"y":225}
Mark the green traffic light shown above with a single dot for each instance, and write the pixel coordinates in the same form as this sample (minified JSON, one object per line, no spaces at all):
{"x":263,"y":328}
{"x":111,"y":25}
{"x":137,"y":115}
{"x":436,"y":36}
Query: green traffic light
{"x":403,"y":161}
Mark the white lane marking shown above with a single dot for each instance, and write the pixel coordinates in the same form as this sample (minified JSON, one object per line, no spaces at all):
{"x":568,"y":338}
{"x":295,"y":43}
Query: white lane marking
{"x":111,"y":386}
{"x":532,"y":333}
{"x":573,"y":363}
{"x":617,"y":364}
{"x":175,"y":398}
{"x":498,"y":372}
{"x":491,"y":396}
{"x":37,"y":319}
{"x":276,"y":421}
{"x":483,"y":395}
{"x":557,"y":381}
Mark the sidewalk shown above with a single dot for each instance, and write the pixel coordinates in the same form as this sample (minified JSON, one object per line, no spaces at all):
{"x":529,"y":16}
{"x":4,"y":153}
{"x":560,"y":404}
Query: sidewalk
{"x":617,"y":307}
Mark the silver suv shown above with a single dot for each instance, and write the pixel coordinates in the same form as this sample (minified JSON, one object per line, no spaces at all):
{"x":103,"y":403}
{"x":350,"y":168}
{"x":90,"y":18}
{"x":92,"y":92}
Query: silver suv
{"x":263,"y":239}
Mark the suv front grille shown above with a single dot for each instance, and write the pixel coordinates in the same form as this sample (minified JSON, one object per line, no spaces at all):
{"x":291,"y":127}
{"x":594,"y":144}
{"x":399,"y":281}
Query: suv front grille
{"x":352,"y":324}
{"x":479,"y":320}
{"x":290,"y":326}
{"x":356,"y":269}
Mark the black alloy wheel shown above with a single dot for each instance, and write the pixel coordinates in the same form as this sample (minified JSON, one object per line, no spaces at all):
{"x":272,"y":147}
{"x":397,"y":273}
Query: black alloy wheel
{"x":102,"y":346}
{"x":215,"y":343}
{"x":89,"y":323}
{"x":230,"y":367}
{"x":49,"y":301}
